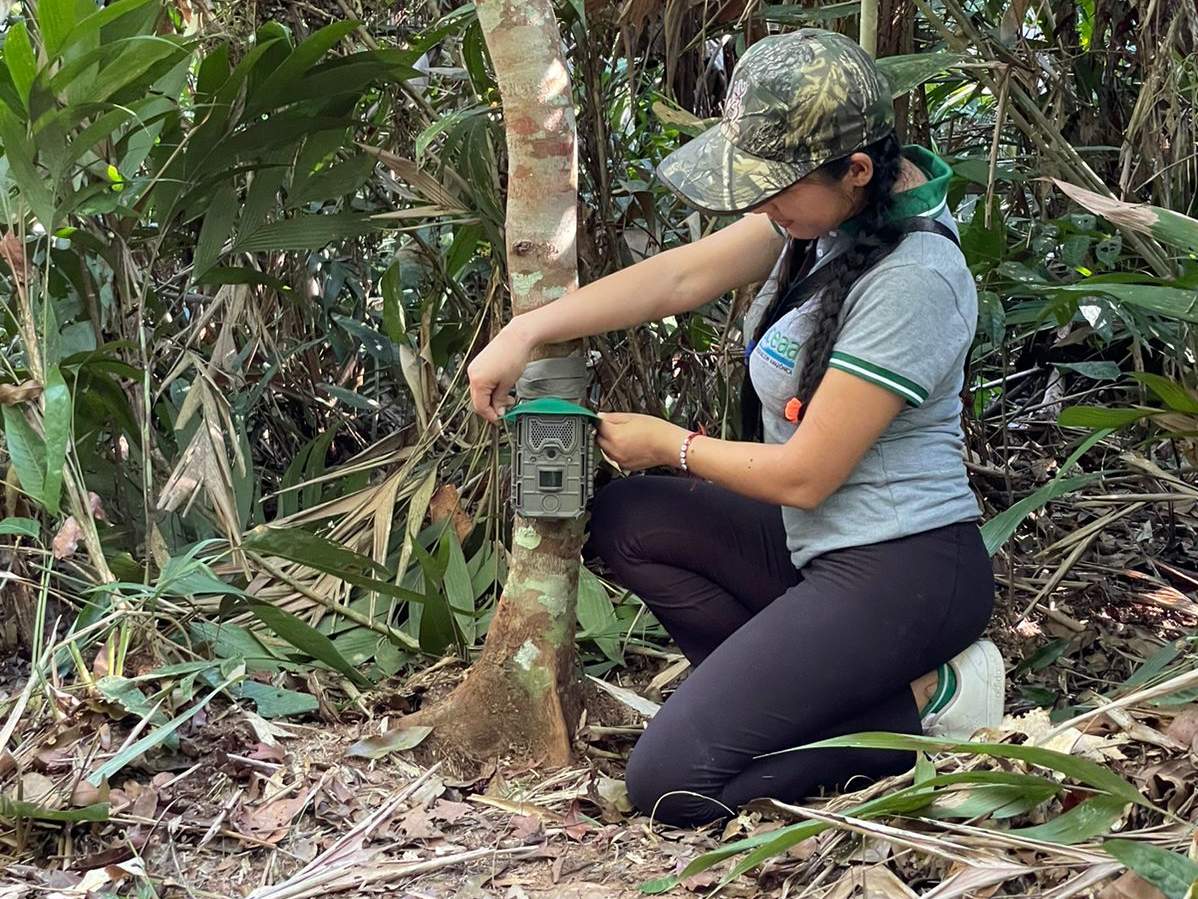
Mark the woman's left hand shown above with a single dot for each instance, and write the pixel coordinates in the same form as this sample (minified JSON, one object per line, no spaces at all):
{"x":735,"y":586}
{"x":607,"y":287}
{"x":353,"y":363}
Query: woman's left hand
{"x":635,"y":442}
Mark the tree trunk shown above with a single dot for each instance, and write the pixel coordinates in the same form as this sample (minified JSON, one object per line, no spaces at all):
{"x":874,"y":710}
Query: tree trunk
{"x":521,"y":698}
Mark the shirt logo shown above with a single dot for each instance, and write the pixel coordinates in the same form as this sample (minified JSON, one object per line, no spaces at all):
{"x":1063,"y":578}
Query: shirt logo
{"x":779,"y":350}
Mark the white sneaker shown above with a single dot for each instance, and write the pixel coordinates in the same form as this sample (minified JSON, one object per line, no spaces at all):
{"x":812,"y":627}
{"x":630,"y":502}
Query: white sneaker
{"x":978,"y":700}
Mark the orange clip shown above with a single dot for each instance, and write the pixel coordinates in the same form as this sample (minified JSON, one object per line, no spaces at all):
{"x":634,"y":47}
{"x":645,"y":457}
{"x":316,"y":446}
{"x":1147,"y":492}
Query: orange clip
{"x":794,"y":409}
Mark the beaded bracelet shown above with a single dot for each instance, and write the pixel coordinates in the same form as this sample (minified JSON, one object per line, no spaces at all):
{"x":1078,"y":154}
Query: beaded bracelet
{"x":685,"y":448}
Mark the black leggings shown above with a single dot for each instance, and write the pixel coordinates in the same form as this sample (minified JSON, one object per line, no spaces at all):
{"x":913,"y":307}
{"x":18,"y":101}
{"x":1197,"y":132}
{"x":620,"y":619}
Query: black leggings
{"x":781,"y":657}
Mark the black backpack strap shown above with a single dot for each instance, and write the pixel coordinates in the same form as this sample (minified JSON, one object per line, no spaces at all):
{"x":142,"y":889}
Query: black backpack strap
{"x":802,"y":288}
{"x":930,"y":226}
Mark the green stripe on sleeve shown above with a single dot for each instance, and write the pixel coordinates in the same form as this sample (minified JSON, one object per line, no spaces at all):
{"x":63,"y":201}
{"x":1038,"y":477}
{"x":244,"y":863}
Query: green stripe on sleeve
{"x":896,"y":383}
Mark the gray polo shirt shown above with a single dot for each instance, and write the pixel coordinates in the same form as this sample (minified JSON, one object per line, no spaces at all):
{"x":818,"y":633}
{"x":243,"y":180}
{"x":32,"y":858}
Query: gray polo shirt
{"x":906,"y":326}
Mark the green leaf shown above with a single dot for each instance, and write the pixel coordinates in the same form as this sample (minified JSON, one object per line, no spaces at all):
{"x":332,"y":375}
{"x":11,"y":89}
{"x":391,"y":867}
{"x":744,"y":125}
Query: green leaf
{"x":27,"y":451}
{"x":1098,"y":371}
{"x":395,"y":740}
{"x":998,"y":801}
{"x":1170,"y":872}
{"x":1171,"y":302}
{"x":55,"y":19}
{"x":905,"y":73}
{"x":157,"y":736}
{"x":58,"y":435}
{"x":20,"y":59}
{"x":1165,"y":225}
{"x":1084,"y":821}
{"x":458,"y":588}
{"x":217,"y":228}
{"x":336,"y":181}
{"x":1101,"y":417}
{"x":298,"y":545}
{"x":219,"y":274}
{"x":274,"y":89}
{"x":19,"y":527}
{"x":19,"y":152}
{"x":307,"y":232}
{"x":443,"y":124}
{"x":1172,"y":394}
{"x":596,"y":616}
{"x":1082,"y":770}
{"x":228,"y":641}
{"x":89,"y":27}
{"x":798,"y":15}
{"x":276,"y":702}
{"x":11,"y":809}
{"x":307,"y":639}
{"x":125,"y":693}
{"x":998,"y":530}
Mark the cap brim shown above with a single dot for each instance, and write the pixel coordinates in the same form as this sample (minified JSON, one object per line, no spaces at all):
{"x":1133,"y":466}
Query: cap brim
{"x":711,"y":174}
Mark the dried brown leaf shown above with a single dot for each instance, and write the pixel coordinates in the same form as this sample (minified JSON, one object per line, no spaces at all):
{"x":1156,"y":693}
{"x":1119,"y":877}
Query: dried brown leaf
{"x":13,"y":394}
{"x":66,"y":541}
{"x":1184,"y":727}
{"x":1130,"y":886}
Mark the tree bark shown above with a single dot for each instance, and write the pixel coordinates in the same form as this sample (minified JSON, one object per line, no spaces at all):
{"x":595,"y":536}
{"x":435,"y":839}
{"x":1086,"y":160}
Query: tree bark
{"x":521,"y":698}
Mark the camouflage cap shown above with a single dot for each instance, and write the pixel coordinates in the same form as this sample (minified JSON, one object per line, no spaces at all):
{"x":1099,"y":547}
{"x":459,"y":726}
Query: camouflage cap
{"x":795,"y":101}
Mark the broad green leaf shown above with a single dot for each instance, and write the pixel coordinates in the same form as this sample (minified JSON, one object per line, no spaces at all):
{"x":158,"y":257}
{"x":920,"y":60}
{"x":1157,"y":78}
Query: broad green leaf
{"x":337,"y":181}
{"x":219,"y":274}
{"x":19,"y":153}
{"x":307,"y":232}
{"x":298,"y":545}
{"x":1101,"y":417}
{"x":55,"y":19}
{"x":11,"y":809}
{"x":307,"y":639}
{"x":1171,"y":302}
{"x":229,"y":641}
{"x":275,"y":702}
{"x":905,"y":73}
{"x":157,"y":736}
{"x":19,"y":527}
{"x":1172,"y":394}
{"x":216,"y":230}
{"x":1169,"y":227}
{"x":998,"y":801}
{"x":274,"y":89}
{"x":125,"y":693}
{"x":1083,"y":770}
{"x":58,"y":435}
{"x":1086,"y":820}
{"x":27,"y":451}
{"x":458,"y":588}
{"x":1170,"y":872}
{"x":799,"y":15}
{"x":20,"y":59}
{"x":596,"y":616}
{"x":395,"y":740}
{"x":998,"y":530}
{"x":89,"y":27}
{"x":443,"y":124}
{"x":1098,"y":371}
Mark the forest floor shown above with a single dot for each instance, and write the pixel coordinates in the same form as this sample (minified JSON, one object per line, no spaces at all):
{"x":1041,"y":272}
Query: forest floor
{"x":281,"y":810}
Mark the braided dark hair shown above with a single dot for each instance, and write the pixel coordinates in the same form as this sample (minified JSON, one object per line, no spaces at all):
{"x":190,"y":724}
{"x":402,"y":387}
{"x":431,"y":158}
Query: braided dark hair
{"x":876,"y":237}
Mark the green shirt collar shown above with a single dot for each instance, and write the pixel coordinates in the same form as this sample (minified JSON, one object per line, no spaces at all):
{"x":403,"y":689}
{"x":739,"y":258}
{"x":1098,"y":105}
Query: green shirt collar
{"x":929,"y":199}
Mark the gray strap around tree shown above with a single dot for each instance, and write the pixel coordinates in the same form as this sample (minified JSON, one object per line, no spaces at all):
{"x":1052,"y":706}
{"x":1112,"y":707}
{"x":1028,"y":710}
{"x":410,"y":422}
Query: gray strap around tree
{"x":562,"y":376}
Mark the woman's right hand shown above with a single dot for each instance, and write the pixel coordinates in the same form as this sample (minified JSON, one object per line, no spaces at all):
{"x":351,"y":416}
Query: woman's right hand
{"x":494,"y":371}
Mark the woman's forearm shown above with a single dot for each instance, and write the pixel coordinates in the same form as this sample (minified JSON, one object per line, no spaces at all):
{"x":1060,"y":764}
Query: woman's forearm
{"x":668,"y":283}
{"x":623,"y":299}
{"x":761,"y":471}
